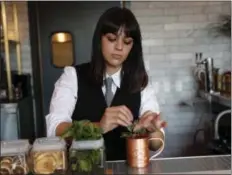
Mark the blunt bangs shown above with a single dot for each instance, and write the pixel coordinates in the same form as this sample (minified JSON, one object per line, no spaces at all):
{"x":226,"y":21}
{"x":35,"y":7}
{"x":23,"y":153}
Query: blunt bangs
{"x":121,"y":18}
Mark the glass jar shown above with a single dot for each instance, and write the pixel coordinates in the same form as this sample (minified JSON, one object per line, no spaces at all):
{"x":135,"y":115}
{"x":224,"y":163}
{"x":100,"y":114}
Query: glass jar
{"x":14,"y":157}
{"x":49,"y":156}
{"x":226,"y":84}
{"x":87,"y":156}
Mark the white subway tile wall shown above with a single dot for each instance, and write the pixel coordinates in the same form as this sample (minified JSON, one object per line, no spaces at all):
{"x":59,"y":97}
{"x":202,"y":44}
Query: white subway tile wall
{"x":172,"y":33}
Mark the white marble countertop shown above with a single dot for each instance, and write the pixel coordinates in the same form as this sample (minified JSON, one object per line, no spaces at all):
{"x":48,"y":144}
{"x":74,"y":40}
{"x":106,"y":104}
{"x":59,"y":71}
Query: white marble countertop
{"x":218,"y":164}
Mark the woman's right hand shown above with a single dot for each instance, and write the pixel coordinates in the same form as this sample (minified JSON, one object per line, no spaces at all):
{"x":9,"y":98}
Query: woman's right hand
{"x":115,"y":116}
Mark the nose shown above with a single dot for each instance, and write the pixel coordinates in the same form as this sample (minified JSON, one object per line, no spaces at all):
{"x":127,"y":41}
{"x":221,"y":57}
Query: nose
{"x":119,"y":44}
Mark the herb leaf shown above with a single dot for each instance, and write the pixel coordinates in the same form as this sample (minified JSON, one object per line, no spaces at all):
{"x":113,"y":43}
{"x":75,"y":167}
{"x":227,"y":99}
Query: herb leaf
{"x":83,"y":130}
{"x":84,"y":160}
{"x":134,"y":133}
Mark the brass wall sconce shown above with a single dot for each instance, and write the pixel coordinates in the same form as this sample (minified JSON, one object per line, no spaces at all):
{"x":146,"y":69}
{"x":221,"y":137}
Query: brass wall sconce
{"x":62,"y":49}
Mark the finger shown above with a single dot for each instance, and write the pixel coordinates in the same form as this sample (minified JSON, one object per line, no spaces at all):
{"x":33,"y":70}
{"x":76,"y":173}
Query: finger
{"x":123,"y":117}
{"x":124,"y":110}
{"x":117,"y":115}
{"x":127,"y":112}
{"x":150,"y":121}
{"x":150,"y":129}
{"x":156,"y":118}
{"x":147,"y":120}
{"x":147,"y":123}
{"x":137,"y":127}
{"x":120,"y":121}
{"x":146,"y":115}
{"x":160,"y":124}
{"x":164,"y":124}
{"x":152,"y":118}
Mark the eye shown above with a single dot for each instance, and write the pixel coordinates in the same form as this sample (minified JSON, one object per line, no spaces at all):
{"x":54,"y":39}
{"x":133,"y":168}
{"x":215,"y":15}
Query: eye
{"x":128,"y":41}
{"x":111,"y":37}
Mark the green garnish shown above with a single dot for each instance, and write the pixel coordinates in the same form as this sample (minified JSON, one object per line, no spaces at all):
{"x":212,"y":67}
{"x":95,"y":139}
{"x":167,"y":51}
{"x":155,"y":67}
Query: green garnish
{"x":84,"y":160}
{"x":83,"y":130}
{"x":132,"y":132}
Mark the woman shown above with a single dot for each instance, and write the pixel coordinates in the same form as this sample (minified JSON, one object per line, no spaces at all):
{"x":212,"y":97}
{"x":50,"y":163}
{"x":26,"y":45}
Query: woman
{"x":82,"y":92}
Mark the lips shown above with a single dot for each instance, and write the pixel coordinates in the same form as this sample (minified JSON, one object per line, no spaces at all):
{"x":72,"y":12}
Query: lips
{"x":116,"y":56}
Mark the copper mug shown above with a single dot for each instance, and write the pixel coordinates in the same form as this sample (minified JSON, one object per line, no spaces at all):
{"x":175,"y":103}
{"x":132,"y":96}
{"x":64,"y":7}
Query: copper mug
{"x":131,"y":170}
{"x":138,"y":151}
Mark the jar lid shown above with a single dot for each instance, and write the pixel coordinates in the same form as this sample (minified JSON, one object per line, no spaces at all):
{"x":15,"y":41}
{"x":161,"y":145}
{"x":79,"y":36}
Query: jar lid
{"x":87,"y":144}
{"x":49,"y":143}
{"x":14,"y":147}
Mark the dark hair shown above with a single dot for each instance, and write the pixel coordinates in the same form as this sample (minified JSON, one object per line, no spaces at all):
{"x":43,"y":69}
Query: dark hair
{"x":134,"y":75}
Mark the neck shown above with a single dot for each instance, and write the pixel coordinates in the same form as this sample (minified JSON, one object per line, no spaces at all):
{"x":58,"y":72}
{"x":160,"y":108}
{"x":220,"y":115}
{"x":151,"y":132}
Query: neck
{"x":111,"y":70}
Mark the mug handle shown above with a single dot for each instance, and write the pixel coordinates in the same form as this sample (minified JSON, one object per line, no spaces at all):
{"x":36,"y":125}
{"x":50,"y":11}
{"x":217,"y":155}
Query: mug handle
{"x":158,"y":152}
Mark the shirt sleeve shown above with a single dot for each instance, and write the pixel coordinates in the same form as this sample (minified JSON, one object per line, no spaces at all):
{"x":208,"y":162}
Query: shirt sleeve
{"x":63,"y":100}
{"x":148,"y":100}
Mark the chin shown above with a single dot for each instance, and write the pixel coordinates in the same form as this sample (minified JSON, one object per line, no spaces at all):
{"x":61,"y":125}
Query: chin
{"x":115,"y":63}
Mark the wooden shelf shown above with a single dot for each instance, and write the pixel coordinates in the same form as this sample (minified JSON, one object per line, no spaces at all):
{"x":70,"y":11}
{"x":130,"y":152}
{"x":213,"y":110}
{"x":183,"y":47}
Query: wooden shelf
{"x":10,"y":45}
{"x":11,"y":42}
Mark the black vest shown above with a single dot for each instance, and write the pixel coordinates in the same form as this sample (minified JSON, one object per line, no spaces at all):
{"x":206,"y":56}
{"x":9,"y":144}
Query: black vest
{"x":91,"y":105}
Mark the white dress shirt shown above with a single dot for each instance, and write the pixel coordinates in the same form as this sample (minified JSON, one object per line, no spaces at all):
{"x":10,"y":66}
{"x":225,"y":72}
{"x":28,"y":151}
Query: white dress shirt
{"x":65,"y":96}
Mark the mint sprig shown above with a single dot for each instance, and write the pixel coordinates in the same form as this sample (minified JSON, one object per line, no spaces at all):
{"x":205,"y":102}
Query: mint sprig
{"x":84,"y":160}
{"x":132,"y":132}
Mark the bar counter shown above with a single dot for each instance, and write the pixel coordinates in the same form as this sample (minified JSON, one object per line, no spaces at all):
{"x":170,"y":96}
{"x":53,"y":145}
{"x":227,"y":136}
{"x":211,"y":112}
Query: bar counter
{"x":220,"y":164}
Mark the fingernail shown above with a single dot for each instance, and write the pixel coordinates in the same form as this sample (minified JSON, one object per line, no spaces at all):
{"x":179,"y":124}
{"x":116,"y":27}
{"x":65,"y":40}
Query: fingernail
{"x":163,"y":124}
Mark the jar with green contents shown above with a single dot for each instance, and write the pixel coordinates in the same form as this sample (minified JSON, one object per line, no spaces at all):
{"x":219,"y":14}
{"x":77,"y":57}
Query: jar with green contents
{"x":87,"y":156}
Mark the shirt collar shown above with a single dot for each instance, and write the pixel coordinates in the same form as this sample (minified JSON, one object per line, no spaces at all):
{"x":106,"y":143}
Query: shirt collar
{"x":116,"y":78}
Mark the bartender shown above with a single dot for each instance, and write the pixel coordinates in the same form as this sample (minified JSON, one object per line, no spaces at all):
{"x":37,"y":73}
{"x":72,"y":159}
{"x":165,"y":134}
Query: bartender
{"x":111,"y":90}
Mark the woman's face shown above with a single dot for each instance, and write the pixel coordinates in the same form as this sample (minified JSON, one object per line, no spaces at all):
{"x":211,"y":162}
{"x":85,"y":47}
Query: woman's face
{"x":115,"y":48}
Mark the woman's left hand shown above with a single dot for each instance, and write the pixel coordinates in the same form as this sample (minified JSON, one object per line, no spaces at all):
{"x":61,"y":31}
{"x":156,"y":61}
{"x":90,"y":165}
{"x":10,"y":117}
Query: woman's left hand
{"x":151,"y":121}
